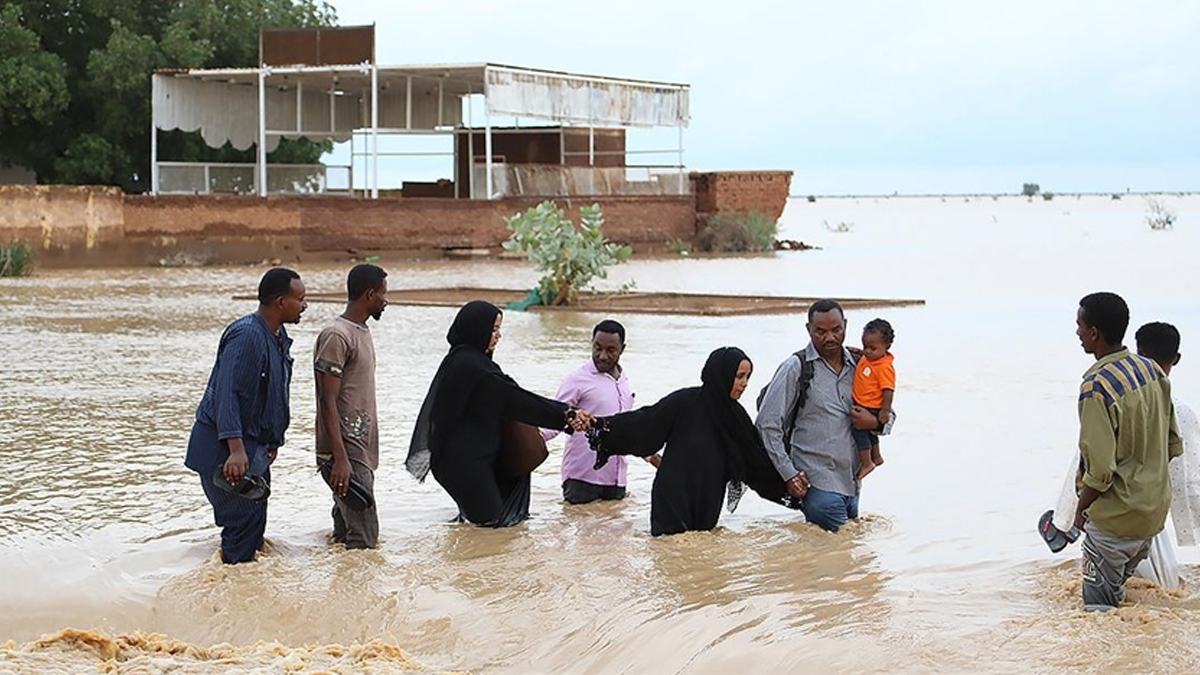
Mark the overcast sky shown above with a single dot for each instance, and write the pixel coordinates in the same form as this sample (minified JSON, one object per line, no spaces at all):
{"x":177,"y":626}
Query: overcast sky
{"x":856,"y":97}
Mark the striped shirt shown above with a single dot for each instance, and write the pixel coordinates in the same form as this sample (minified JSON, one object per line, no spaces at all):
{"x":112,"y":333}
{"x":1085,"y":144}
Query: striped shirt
{"x":248,"y":389}
{"x":1127,"y":436}
{"x":822,"y":445}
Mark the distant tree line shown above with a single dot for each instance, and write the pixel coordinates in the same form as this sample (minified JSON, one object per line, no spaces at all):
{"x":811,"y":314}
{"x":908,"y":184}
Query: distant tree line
{"x":75,"y":80}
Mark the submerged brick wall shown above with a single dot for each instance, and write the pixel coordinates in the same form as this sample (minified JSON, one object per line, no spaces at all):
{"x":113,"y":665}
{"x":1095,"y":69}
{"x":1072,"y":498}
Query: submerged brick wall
{"x":741,"y":191}
{"x":211,"y":216}
{"x":62,"y":221}
{"x":101,"y":226}
{"x":338,"y":223}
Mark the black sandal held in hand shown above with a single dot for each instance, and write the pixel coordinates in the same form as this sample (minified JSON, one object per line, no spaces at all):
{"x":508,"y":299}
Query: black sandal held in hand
{"x":358,"y":497}
{"x":595,"y":436}
{"x":251,"y":487}
{"x":1055,"y":538}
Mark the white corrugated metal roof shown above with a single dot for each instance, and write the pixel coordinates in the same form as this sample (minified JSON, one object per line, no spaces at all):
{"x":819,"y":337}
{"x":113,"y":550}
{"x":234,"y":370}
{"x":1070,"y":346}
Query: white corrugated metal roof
{"x":332,"y":101}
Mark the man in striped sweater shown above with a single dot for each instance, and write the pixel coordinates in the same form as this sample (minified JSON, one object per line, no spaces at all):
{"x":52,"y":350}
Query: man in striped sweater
{"x":1127,"y":436}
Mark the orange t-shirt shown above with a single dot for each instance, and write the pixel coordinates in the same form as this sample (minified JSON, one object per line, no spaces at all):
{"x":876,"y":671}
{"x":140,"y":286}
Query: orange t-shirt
{"x":871,"y":378}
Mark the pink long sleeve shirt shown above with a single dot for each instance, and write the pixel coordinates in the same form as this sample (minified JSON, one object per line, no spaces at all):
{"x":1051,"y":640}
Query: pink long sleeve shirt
{"x":600,"y":394}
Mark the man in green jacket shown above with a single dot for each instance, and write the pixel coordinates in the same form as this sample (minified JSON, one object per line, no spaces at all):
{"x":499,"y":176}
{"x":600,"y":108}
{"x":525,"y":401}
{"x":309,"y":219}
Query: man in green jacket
{"x":1127,"y":435}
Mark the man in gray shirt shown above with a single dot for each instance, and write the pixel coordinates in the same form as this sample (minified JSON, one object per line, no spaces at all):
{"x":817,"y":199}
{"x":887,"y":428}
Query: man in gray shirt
{"x":819,"y":461}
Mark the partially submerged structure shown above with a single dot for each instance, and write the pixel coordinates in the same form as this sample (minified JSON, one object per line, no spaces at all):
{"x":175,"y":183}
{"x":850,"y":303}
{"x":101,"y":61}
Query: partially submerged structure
{"x":503,"y":138}
{"x":628,"y":302}
{"x":517,"y":132}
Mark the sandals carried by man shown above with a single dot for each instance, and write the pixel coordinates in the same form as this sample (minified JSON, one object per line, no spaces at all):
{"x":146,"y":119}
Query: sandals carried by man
{"x":358,"y":497}
{"x":251,"y":487}
{"x":1055,"y":538}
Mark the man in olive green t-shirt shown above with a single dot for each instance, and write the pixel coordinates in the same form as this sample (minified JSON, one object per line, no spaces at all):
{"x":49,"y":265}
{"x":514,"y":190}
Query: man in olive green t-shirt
{"x":1127,"y":435}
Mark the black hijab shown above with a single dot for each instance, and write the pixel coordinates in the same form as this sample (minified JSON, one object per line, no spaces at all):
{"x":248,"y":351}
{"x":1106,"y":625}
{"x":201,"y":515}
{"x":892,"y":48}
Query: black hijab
{"x":746,"y":459}
{"x":467,"y":362}
{"x":732,"y":423}
{"x":472,"y":327}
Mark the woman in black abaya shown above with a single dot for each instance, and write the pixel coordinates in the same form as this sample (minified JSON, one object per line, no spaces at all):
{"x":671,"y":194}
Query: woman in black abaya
{"x":459,"y":431}
{"x":711,"y":447}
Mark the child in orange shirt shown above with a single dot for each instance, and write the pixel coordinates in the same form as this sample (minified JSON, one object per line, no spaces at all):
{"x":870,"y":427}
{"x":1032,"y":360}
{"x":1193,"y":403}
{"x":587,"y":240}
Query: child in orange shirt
{"x":874,"y":387}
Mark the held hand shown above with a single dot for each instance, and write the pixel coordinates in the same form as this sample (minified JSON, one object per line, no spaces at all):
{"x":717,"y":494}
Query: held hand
{"x":856,"y":351}
{"x":581,"y":421}
{"x":798,"y":486}
{"x":1079,"y":520}
{"x":237,"y":464}
{"x":654,"y":460}
{"x":339,"y":476}
{"x":863,"y":419}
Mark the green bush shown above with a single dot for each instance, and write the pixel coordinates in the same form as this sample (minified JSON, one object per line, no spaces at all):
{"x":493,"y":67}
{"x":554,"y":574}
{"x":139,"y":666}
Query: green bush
{"x":680,"y":246}
{"x":1030,"y":189}
{"x":734,"y":232}
{"x":569,"y":258}
{"x":16,"y":259}
{"x":1047,"y":196}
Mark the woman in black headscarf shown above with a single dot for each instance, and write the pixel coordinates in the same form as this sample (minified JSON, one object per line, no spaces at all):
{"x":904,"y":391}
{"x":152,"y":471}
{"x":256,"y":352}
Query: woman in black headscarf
{"x":711,"y":446}
{"x":460,"y":427}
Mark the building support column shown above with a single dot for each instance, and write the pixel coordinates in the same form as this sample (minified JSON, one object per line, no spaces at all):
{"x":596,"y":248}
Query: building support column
{"x":374,"y":131}
{"x":487,"y":146}
{"x":262,"y":131}
{"x":682,"y":191}
{"x":153,"y":135}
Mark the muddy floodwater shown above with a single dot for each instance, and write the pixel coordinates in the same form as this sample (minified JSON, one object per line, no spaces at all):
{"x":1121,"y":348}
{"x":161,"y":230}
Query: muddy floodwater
{"x":108,"y":552}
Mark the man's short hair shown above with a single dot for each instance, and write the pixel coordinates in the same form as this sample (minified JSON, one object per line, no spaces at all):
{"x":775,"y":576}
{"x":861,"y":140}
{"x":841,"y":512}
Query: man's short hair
{"x":610,"y":326}
{"x":1159,"y":341}
{"x":362,"y":278}
{"x":826,"y":305}
{"x":275,"y":284}
{"x":1107,"y":313}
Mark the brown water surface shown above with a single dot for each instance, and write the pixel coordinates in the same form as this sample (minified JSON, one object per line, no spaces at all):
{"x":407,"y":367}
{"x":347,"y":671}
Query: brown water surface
{"x":105,"y":532}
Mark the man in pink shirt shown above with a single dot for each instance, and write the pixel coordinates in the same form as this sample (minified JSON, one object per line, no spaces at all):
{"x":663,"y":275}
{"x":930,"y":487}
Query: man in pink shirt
{"x":601,"y":388}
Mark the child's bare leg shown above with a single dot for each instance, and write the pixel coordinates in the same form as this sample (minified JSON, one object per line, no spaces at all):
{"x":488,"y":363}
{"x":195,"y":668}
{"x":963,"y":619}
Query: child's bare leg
{"x":876,"y":458}
{"x":865,"y":464}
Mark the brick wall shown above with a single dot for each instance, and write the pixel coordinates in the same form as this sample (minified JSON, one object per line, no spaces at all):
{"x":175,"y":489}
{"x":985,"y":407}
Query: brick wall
{"x":211,"y":216}
{"x":62,"y":221}
{"x":338,"y":223}
{"x":100,"y":226}
{"x":741,"y":191}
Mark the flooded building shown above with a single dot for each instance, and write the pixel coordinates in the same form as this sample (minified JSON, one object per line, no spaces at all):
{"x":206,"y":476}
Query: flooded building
{"x":438,"y":156}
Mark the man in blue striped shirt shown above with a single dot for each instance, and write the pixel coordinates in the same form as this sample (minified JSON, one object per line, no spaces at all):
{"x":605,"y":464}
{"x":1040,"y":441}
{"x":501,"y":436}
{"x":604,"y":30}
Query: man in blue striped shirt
{"x":241,"y":419}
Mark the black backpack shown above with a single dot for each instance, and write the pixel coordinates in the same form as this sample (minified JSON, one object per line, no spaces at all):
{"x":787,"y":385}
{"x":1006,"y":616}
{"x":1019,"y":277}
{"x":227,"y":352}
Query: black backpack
{"x":807,"y":370}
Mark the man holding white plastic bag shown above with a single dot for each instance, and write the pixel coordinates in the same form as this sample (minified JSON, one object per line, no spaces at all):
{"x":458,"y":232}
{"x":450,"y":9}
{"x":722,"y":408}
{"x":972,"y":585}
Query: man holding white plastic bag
{"x":1159,"y":342}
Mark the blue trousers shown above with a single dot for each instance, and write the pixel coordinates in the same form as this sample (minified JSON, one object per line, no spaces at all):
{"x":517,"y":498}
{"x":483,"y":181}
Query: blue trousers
{"x":829,"y":510}
{"x":242,"y":521}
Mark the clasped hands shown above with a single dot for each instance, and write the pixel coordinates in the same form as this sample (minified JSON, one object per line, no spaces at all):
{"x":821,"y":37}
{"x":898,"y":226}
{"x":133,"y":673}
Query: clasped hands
{"x":798,"y":485}
{"x":579,"y":420}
